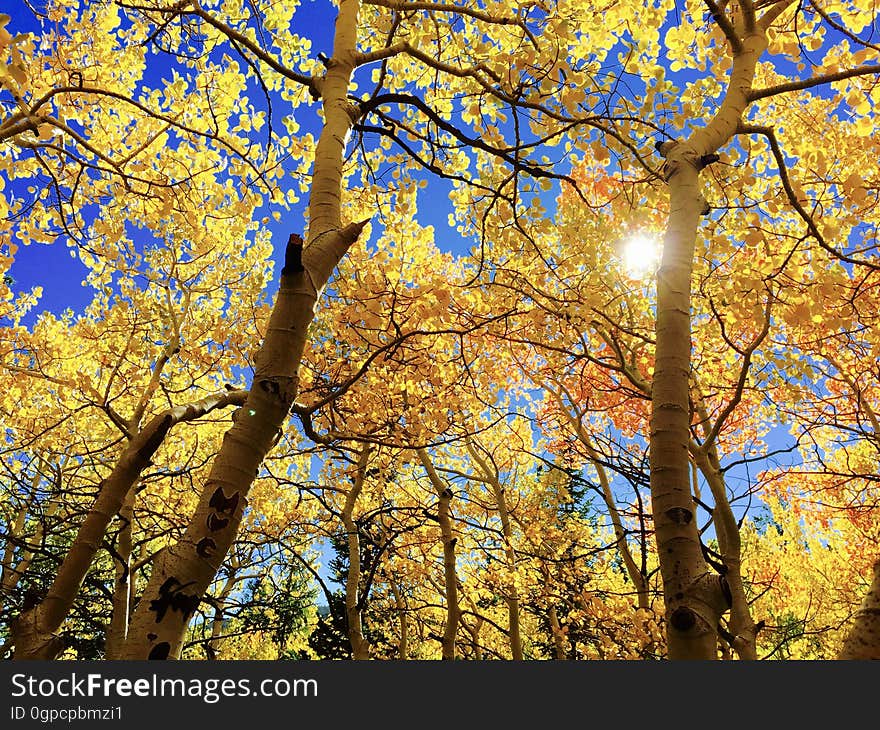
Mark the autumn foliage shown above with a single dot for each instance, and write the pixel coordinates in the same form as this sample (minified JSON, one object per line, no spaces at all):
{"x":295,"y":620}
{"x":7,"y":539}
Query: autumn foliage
{"x":467,"y":330}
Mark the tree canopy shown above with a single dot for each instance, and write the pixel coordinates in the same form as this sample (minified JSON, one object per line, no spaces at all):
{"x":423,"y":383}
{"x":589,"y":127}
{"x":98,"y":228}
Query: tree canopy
{"x":440,"y":330}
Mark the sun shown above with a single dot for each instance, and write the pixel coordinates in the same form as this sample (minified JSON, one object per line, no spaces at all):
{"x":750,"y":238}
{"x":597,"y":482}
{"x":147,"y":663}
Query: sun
{"x":640,"y":256}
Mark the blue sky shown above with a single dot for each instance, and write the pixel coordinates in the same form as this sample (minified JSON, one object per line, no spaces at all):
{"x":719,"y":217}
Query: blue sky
{"x":60,"y":273}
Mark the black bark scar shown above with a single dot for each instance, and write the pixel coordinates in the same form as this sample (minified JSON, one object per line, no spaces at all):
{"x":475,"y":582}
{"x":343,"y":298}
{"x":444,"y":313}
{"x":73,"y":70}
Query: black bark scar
{"x":683,"y":619}
{"x":160,"y":651}
{"x":222,"y":504}
{"x":680,"y":515}
{"x":171,"y":596}
{"x":270,"y":387}
{"x":152,"y":443}
{"x":206,"y":546}
{"x":216,"y":523}
{"x":293,"y":255}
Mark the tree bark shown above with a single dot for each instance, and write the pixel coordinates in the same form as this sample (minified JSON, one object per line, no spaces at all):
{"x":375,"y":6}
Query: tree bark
{"x":34,"y":630}
{"x":560,"y":640}
{"x":863,"y":640}
{"x":743,"y":631}
{"x":214,"y":643}
{"x":559,"y":647}
{"x":118,"y":629}
{"x":473,"y":629}
{"x":695,"y":598}
{"x":184,"y":571}
{"x":11,"y":572}
{"x":511,"y":597}
{"x":447,"y":536}
{"x":360,"y":647}
{"x":400,"y":606}
{"x":632,"y":569}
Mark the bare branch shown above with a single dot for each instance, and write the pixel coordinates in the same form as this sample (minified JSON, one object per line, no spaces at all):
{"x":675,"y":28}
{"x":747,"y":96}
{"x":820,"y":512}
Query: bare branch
{"x":850,"y":73}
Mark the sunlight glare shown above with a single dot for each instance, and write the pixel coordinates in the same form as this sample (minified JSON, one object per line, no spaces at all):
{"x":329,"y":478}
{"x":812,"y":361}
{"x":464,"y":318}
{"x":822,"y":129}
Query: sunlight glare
{"x":641,"y":256}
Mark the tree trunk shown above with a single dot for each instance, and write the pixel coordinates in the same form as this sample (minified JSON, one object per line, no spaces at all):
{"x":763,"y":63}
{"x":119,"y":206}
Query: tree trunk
{"x":863,"y":640}
{"x":695,"y":598}
{"x":575,"y":421}
{"x":212,"y":646}
{"x":490,"y":475}
{"x":743,"y":631}
{"x":403,"y":639}
{"x":560,"y":640}
{"x":11,"y":572}
{"x":453,"y":611}
{"x":692,"y":612}
{"x":118,"y":628}
{"x":34,"y":630}
{"x":559,"y":647}
{"x":512,"y":595}
{"x":184,"y":571}
{"x":360,"y":647}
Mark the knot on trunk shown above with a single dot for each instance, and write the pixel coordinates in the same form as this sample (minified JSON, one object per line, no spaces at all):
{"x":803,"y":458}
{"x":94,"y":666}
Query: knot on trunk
{"x":678,"y":153}
{"x":683,"y":619}
{"x":709,"y":595}
{"x":702,"y":604}
{"x":679,"y":515}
